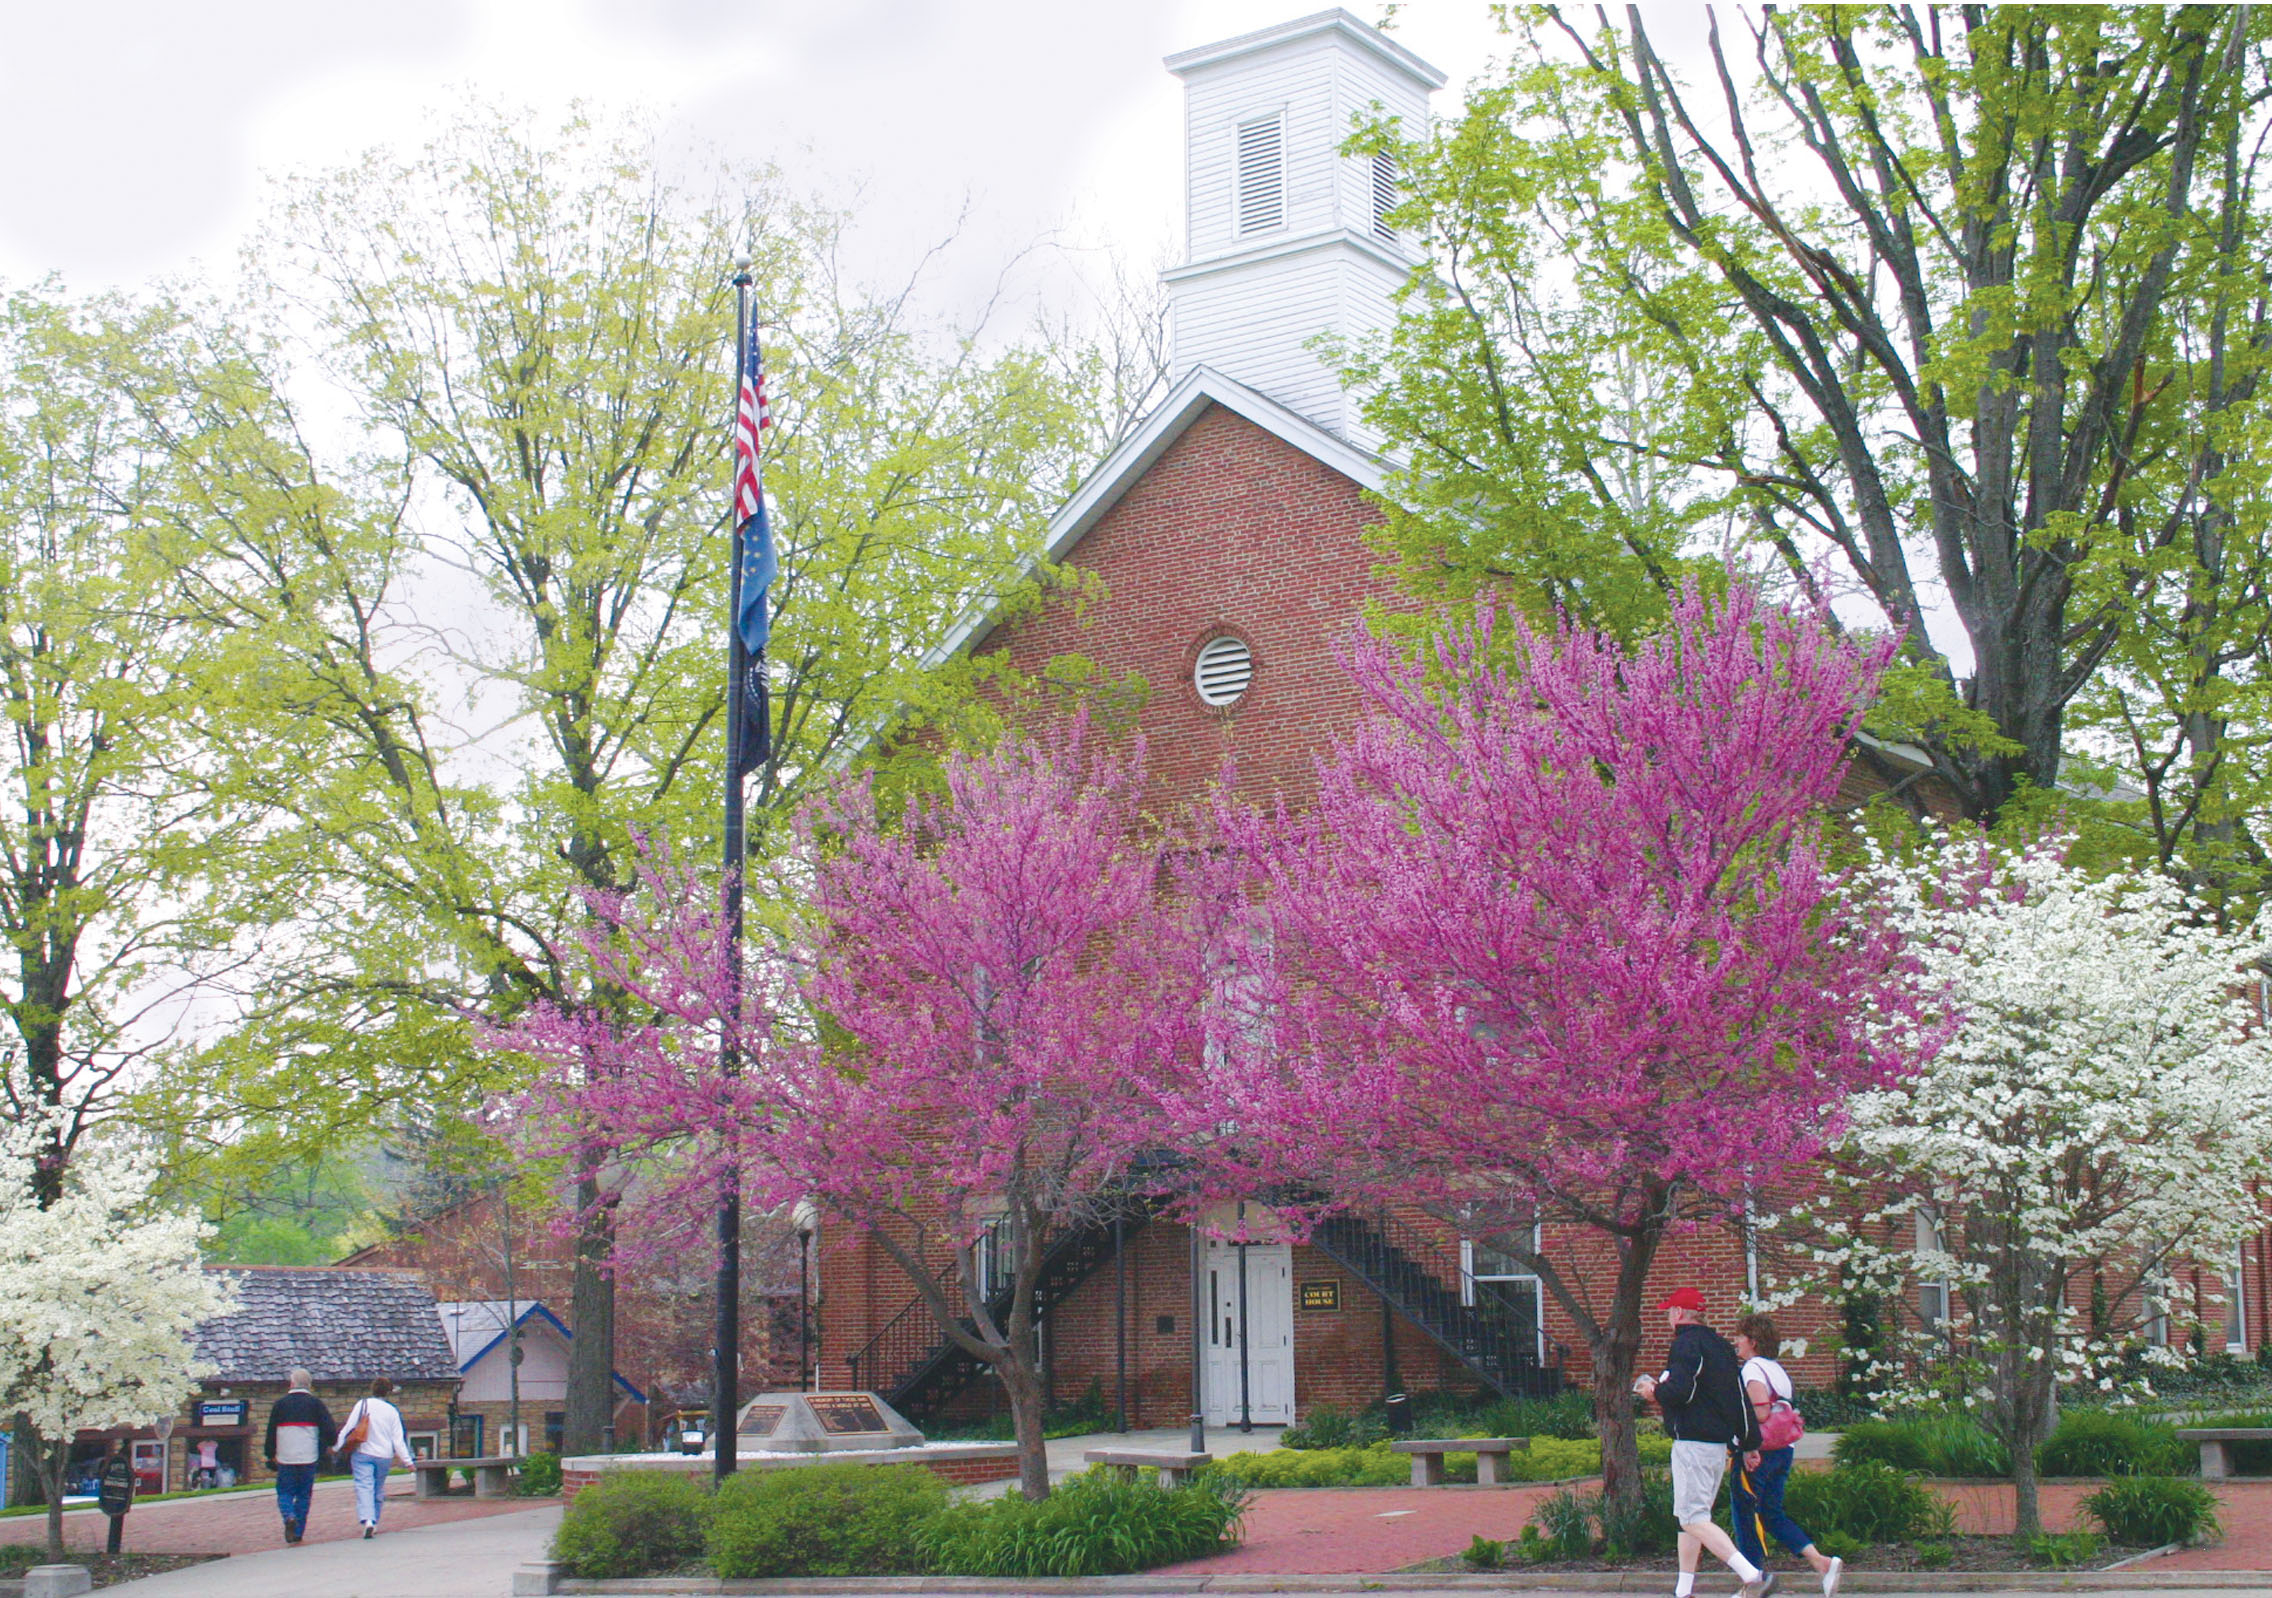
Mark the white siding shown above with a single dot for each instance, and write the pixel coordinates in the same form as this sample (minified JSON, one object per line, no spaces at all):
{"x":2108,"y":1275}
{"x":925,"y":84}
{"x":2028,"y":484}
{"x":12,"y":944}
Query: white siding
{"x":544,"y":1370}
{"x":1252,"y":319}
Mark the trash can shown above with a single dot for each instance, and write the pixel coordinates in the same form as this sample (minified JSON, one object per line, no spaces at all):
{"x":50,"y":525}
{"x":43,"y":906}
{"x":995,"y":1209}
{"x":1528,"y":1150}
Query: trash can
{"x":1399,"y":1408}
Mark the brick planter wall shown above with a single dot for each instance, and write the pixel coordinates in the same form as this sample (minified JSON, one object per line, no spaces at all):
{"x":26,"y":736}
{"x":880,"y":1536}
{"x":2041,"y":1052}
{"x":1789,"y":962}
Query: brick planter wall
{"x":958,"y":1464}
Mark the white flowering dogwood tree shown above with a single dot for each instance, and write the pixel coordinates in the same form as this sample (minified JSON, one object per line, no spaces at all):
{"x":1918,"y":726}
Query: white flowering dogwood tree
{"x":2096,"y":1110}
{"x":100,"y":1295}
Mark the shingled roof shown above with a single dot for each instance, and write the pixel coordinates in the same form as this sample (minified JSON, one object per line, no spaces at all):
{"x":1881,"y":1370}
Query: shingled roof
{"x":343,"y":1325}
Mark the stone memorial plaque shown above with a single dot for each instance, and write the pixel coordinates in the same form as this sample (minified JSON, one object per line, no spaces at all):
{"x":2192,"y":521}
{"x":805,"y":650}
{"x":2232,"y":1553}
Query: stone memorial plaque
{"x":847,"y":1412}
{"x":822,"y":1423}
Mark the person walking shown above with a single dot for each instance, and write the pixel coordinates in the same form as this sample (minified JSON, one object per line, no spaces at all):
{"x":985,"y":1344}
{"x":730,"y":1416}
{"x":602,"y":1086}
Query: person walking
{"x":1701,"y":1395}
{"x":372,"y":1439}
{"x":300,"y":1433}
{"x":1764,"y":1474}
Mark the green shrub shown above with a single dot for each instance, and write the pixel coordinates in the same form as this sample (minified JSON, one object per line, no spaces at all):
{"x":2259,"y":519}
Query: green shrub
{"x":1933,"y":1445}
{"x":1328,"y":1427}
{"x":539,"y":1477}
{"x":1893,"y":1443}
{"x":1829,"y":1410}
{"x":1484,"y":1553}
{"x":1566,"y":1415}
{"x":1377,"y":1465}
{"x":1839,"y":1545}
{"x":1097,"y":1524}
{"x":2099,"y":1442}
{"x":633,"y":1523}
{"x":823,"y":1520}
{"x":1866,"y":1500}
{"x":2148,"y":1511}
{"x":2064,"y":1550}
{"x":1647,"y":1530}
{"x":1315,"y":1467}
{"x":1930,"y":1556}
{"x":1561,"y":1527}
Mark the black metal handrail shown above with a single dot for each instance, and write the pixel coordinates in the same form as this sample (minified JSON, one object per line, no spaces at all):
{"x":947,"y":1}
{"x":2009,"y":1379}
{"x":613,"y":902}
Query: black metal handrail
{"x":916,"y":1366}
{"x":1483,"y":1330}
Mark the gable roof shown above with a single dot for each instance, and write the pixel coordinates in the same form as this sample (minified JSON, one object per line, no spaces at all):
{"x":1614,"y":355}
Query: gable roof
{"x":1201,"y":387}
{"x":475,"y":1326}
{"x":343,"y":1325}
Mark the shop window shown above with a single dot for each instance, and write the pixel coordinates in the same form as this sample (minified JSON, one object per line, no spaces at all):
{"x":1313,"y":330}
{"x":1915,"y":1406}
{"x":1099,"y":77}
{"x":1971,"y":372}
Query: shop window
{"x":1932,"y":1273}
{"x":555,"y":1428}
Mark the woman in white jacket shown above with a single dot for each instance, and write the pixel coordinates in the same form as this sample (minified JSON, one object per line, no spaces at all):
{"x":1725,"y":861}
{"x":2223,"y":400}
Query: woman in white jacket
{"x":382,"y":1447}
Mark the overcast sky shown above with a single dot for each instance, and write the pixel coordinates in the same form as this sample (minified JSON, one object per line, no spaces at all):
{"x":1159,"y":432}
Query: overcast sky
{"x":136,"y":131}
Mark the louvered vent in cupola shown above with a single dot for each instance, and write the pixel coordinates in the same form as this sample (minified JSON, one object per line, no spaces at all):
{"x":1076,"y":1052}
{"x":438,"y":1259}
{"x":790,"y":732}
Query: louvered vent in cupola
{"x":1384,"y":193}
{"x":1224,"y":669}
{"x":1262,"y":175}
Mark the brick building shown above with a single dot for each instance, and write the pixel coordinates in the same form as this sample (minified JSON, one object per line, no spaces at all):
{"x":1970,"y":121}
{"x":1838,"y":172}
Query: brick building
{"x":485,"y":1250}
{"x":1229,"y":533}
{"x":344,"y":1326}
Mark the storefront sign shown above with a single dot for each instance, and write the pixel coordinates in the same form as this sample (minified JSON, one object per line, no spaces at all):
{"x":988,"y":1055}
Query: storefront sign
{"x":1321,"y":1295}
{"x":222,"y":1411}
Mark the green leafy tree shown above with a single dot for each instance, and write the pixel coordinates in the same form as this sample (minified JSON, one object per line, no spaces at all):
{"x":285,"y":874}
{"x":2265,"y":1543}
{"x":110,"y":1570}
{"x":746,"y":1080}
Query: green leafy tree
{"x":105,"y":827}
{"x":1953,"y":316}
{"x":465,"y":662}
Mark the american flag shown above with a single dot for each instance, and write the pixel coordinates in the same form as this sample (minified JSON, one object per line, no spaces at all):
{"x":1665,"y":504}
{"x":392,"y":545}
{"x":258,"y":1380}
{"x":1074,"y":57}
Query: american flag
{"x":754,"y":556}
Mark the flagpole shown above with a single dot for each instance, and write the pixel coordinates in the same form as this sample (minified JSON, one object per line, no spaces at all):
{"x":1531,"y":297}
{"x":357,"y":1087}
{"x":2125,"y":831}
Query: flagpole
{"x":725,"y":1369}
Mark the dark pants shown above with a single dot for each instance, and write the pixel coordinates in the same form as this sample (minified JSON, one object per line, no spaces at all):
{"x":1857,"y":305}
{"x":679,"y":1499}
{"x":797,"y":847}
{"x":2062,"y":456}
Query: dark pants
{"x":1759,"y":1507}
{"x":294,"y":1485}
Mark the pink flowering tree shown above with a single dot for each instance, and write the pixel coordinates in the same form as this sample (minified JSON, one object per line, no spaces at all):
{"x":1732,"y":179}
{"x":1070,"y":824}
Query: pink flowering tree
{"x":983,"y":1015}
{"x":1557,"y":948}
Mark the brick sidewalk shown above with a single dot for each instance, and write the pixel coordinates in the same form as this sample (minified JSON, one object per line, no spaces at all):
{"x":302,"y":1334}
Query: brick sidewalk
{"x":242,"y":1523}
{"x":1364,"y":1531}
{"x":1370,"y":1531}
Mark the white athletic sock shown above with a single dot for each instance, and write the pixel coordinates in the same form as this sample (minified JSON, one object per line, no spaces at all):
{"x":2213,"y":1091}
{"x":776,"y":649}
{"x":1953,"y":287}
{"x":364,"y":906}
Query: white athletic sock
{"x":1746,"y":1571}
{"x":1686,"y":1585}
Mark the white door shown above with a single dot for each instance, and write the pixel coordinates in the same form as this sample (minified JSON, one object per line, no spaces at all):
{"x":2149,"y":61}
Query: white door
{"x":1267,"y":1393}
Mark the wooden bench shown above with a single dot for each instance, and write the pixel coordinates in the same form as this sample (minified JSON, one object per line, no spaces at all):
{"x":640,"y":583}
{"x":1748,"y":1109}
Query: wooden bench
{"x":2215,"y":1466}
{"x":1174,"y":1469}
{"x":1428,"y":1456}
{"x":492,"y":1475}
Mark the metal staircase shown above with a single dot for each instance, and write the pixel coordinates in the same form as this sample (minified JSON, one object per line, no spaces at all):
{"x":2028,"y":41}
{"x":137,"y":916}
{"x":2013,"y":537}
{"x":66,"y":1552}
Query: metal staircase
{"x":917,"y":1370}
{"x":1492,"y":1337}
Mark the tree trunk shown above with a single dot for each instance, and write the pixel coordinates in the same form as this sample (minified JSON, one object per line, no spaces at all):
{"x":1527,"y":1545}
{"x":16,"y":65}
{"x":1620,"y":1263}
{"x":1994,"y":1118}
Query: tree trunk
{"x":591,"y":1353}
{"x":52,"y":1460}
{"x":1021,"y":1380}
{"x":1616,"y":1349}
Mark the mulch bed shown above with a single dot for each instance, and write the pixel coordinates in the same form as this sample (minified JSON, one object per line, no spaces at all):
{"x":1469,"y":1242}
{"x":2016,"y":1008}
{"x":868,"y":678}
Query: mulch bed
{"x":1967,"y":1554}
{"x":106,"y":1571}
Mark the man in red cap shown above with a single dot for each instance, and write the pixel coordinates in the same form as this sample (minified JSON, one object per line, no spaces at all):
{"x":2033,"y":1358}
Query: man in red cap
{"x":1700,"y":1391}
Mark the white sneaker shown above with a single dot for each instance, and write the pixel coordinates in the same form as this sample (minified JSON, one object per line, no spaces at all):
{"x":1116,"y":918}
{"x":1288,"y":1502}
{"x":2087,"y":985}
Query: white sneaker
{"x":1830,"y":1577}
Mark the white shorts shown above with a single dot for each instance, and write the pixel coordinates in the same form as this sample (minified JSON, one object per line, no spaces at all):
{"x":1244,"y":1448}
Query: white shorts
{"x":1696,"y":1472}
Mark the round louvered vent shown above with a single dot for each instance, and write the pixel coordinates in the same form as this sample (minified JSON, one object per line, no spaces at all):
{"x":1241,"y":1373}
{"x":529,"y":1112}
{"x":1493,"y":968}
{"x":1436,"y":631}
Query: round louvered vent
{"x":1224,"y":669}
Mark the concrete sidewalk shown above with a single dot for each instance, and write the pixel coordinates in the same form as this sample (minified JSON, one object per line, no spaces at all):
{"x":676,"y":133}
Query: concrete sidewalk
{"x":463,"y":1559}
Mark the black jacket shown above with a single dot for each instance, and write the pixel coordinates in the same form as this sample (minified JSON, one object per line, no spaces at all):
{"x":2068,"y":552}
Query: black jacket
{"x":1701,"y":1391}
{"x":303,"y":1420}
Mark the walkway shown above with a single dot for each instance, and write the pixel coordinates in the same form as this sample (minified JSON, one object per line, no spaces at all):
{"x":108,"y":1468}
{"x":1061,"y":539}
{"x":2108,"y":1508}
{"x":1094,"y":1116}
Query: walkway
{"x":467,"y":1558}
{"x":244,"y":1523}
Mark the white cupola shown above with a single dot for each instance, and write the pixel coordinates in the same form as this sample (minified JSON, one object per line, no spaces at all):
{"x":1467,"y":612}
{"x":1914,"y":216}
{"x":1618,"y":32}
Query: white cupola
{"x":1287,"y":237}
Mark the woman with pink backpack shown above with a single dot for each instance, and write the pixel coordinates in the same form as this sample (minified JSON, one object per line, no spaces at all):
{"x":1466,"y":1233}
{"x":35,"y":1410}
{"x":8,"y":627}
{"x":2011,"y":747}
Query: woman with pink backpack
{"x":1761,"y":1478}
